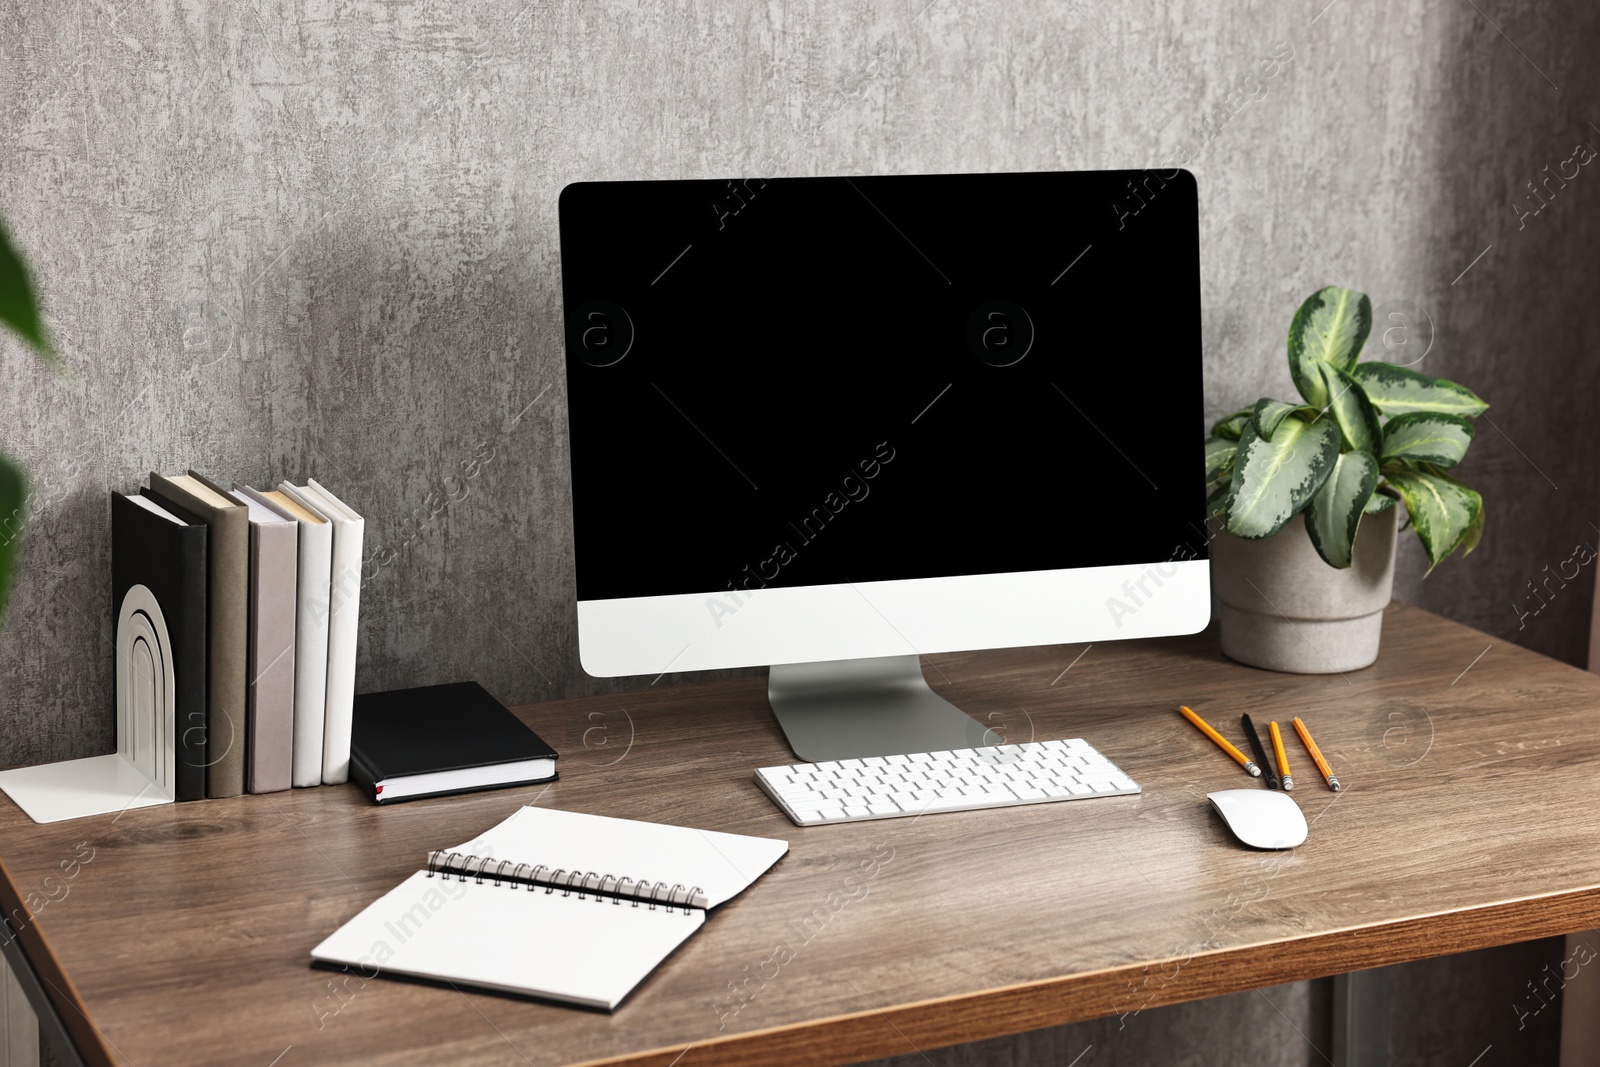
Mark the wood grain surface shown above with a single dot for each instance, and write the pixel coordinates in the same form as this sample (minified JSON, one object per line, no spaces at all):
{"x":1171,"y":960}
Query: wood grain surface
{"x":1469,"y":819}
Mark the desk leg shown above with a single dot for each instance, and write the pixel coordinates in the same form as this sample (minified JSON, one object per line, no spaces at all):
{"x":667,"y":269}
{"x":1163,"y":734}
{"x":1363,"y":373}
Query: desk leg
{"x":19,"y":1030}
{"x":1361,"y":1018}
{"x":50,"y":1029}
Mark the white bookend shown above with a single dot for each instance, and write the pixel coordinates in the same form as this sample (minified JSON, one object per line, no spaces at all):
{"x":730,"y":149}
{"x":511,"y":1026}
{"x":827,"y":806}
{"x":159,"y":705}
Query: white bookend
{"x":344,"y":610}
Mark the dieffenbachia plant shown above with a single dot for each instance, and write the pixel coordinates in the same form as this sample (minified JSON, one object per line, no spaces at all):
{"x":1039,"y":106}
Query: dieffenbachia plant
{"x":19,"y":311}
{"x":1366,"y":435}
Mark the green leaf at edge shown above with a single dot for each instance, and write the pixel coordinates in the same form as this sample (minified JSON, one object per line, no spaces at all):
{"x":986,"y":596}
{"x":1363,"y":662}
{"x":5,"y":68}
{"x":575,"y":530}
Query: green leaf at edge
{"x":1273,"y":480}
{"x":1443,"y":511}
{"x":1474,"y":532}
{"x":1398,"y":391}
{"x":1232,"y":426}
{"x":18,"y":309}
{"x":13,"y":493}
{"x":1217,"y":502}
{"x":1336,"y":509}
{"x":1219,"y":457}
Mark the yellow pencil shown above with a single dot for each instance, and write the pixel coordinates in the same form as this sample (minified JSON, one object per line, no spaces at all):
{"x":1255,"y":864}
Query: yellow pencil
{"x":1222,"y":742}
{"x":1283,"y":757}
{"x":1316,"y":754}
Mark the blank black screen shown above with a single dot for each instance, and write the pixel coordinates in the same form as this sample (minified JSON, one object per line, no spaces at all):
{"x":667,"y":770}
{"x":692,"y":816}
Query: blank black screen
{"x":810,"y":381}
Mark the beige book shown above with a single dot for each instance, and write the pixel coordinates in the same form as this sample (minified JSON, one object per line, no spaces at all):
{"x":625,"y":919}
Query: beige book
{"x":310,"y":634}
{"x":227,"y":622}
{"x":274,"y":560}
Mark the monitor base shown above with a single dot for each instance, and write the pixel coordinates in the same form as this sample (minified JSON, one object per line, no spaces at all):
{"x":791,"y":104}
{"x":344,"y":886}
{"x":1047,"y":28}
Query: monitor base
{"x":851,"y":709}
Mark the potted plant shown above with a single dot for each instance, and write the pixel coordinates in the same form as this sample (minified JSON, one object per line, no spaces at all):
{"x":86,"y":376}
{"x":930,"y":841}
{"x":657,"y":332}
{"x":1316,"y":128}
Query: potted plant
{"x":1305,"y":494}
{"x":19,"y":311}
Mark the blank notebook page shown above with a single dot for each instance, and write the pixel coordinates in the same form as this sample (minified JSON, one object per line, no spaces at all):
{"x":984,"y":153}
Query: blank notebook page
{"x":722,"y":865}
{"x":584,"y":950}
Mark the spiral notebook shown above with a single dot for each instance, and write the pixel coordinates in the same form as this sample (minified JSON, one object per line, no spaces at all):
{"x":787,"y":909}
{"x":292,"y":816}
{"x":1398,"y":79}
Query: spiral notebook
{"x":552,"y":904}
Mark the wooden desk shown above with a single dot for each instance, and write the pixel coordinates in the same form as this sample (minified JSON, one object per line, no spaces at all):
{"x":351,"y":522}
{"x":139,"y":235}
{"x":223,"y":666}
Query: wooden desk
{"x":1470,"y":819}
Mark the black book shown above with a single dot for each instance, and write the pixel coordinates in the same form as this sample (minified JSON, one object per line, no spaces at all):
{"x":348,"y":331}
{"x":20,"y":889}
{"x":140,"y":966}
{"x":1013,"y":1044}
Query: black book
{"x":439,"y":739}
{"x":166,"y":554}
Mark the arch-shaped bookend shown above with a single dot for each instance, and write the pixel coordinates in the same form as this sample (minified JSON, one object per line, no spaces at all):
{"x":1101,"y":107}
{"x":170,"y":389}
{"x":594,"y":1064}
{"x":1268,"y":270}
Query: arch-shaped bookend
{"x":140,"y":773}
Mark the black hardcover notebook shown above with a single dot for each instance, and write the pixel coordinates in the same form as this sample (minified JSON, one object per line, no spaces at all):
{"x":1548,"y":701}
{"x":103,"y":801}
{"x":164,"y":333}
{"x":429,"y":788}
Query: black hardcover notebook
{"x":438,"y":739}
{"x":166,"y":554}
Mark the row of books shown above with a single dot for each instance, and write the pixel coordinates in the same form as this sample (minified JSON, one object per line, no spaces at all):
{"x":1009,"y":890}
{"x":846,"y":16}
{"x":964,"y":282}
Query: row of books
{"x":258,"y":595}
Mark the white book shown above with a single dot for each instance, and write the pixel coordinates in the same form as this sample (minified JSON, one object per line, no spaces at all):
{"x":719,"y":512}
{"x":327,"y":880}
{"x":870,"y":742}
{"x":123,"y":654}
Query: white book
{"x":344,"y":610}
{"x":474,"y":916}
{"x":312,"y":603}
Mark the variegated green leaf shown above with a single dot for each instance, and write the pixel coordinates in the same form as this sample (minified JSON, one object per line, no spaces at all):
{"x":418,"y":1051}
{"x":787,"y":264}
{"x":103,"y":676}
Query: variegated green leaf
{"x":1219,"y":457}
{"x":1330,"y":327}
{"x":1443,"y":511}
{"x":1378,"y":503}
{"x":1357,"y":419}
{"x":1474,"y":533}
{"x":13,"y":493}
{"x":1268,"y":413}
{"x":1217,"y":502}
{"x":1398,"y":391}
{"x":1231,"y":427}
{"x":1272,"y":480}
{"x":1336,"y":508}
{"x":1427,"y":437}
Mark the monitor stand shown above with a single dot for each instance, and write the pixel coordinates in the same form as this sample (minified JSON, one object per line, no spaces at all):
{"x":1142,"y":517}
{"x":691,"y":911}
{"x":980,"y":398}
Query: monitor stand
{"x":853,"y":708}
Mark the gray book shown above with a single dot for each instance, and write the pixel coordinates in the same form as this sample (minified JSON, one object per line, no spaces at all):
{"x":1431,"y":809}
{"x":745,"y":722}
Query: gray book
{"x":274,"y":560}
{"x":227,"y":622}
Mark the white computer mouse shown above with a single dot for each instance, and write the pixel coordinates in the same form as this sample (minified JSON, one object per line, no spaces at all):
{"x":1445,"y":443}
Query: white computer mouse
{"x":1261,"y":818}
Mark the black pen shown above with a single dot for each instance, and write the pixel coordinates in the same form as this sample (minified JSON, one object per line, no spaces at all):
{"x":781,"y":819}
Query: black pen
{"x":1261,"y":752}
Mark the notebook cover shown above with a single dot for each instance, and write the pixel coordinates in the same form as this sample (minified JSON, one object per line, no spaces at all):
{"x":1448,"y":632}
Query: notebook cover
{"x":562,"y":947}
{"x":170,"y":561}
{"x":310,"y":642}
{"x":437,"y":728}
{"x":227,"y":631}
{"x":274,"y":560}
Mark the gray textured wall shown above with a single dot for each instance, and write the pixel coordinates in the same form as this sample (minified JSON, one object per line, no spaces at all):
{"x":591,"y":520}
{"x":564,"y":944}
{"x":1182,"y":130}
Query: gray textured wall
{"x":289,"y":239}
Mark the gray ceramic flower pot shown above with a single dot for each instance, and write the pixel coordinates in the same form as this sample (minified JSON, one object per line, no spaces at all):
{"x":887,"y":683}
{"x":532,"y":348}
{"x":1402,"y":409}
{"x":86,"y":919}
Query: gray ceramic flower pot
{"x":1284,"y":609}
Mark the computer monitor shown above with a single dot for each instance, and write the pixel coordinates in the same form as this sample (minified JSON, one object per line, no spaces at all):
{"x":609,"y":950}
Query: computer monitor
{"x":832,"y":425}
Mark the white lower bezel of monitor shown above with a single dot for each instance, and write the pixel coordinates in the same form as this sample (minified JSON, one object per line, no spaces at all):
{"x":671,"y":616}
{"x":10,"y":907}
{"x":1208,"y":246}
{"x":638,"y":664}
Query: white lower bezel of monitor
{"x":809,"y":624}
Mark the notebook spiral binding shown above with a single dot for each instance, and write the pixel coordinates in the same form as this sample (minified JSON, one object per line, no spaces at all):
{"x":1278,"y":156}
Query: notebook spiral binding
{"x":582,"y":884}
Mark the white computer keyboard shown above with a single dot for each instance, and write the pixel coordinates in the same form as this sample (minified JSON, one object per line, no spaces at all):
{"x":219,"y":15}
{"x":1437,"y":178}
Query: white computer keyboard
{"x":886,"y":787}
